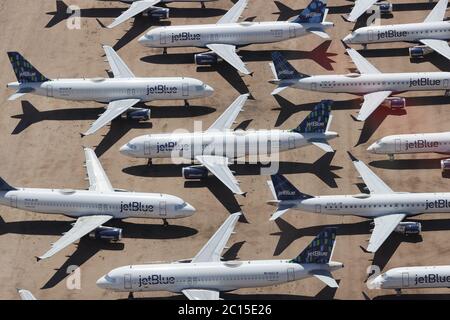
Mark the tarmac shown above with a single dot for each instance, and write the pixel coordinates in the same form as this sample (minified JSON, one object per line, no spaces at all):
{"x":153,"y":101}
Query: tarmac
{"x":42,"y":147}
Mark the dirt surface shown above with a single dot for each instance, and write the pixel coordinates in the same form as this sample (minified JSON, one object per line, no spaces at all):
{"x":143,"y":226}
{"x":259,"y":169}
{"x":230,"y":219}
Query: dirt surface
{"x":42,"y":148}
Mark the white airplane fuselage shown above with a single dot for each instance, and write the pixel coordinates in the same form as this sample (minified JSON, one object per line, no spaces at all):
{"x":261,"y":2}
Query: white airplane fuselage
{"x":238,"y":34}
{"x":411,"y":32}
{"x":368,"y":83}
{"x":77,"y":203}
{"x":220,"y":276}
{"x":413,"y":277}
{"x":412,"y":143}
{"x":230,"y":144}
{"x":373,"y":205}
{"x":112,"y":89}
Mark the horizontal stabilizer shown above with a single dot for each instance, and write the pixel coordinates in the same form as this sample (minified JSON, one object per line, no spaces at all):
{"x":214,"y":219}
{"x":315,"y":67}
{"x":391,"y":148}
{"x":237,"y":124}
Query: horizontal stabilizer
{"x":279,"y":89}
{"x":323,"y":145}
{"x":280,"y":211}
{"x":326,"y":277}
{"x":320,"y":33}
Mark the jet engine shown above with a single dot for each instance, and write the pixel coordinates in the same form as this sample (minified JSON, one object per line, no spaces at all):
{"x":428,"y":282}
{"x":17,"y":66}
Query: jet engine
{"x":157,"y":13}
{"x":195,"y":172}
{"x":106,"y":233}
{"x":409,"y":228}
{"x":137,"y":114}
{"x":418,"y":52}
{"x":394,"y":103}
{"x":207,"y":58}
{"x":385,"y":7}
{"x":445,"y":165}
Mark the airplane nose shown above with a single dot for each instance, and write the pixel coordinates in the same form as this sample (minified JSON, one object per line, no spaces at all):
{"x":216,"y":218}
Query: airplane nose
{"x":209,"y":90}
{"x":143,"y":40}
{"x":347,"y":39}
{"x":189,"y":210}
{"x":102,"y":283}
{"x":375,"y":283}
{"x":125,"y":150}
{"x":372,"y":148}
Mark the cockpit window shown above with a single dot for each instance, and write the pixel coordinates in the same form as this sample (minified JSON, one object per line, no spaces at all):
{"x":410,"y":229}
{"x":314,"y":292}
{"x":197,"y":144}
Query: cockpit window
{"x":180,"y":206}
{"x":131,"y":146}
{"x":110,"y":279}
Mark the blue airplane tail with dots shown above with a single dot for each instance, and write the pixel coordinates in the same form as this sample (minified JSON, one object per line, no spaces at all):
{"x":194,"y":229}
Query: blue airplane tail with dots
{"x":25,"y":72}
{"x":315,"y":12}
{"x":318,"y":120}
{"x":284,"y":73}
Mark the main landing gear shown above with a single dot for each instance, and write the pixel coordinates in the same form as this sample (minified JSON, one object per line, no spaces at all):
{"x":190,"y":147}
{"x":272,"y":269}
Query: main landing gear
{"x":130,"y":296}
{"x":391,"y":157}
{"x":165,"y":51}
{"x":186,"y":103}
{"x":165,"y":223}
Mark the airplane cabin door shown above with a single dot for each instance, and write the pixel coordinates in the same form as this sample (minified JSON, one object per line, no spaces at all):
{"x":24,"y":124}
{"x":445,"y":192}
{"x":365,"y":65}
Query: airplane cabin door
{"x":162,"y":37}
{"x":185,"y":90}
{"x":49,"y":91}
{"x":292,"y":32}
{"x":371,"y":36}
{"x":446,"y":82}
{"x":318,"y":208}
{"x":127,"y":281}
{"x":147,"y":149}
{"x":398,"y":145}
{"x":291,"y":143}
{"x":13,"y":201}
{"x":290,"y":274}
{"x":313,"y":86}
{"x":162,"y":209}
{"x":405,"y":279}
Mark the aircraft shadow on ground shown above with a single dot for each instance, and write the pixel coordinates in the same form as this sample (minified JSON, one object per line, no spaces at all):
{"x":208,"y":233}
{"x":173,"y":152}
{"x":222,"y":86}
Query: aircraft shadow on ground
{"x":320,"y":55}
{"x":86,"y":247}
{"x":322,"y":168}
{"x":408,"y":164}
{"x":288,"y":234}
{"x":140,"y":23}
{"x":118,"y":127}
{"x":418,"y":296}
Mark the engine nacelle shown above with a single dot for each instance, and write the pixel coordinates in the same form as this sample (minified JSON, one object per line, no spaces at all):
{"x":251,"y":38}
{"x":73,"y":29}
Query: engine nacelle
{"x":195,"y":172}
{"x":385,"y":7}
{"x":394,"y":103}
{"x":106,"y":233}
{"x":409,"y":228}
{"x":445,"y":165}
{"x":207,"y":58}
{"x":137,"y":114}
{"x":418,"y":52}
{"x":157,"y":13}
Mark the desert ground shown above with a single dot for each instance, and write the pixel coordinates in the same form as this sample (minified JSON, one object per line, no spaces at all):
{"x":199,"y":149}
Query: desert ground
{"x":42,"y":147}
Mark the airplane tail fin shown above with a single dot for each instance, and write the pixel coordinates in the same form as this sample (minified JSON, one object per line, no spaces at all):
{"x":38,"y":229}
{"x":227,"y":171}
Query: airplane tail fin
{"x":283,"y":70}
{"x":4,"y":186}
{"x":315,"y":12}
{"x":320,"y":250}
{"x":285,"y":191}
{"x":25,"y":72}
{"x":318,"y":120}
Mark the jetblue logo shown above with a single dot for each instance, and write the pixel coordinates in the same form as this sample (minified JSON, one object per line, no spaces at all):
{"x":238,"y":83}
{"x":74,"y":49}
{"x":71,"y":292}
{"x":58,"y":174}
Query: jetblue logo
{"x":392,"y":34}
{"x":317,"y":254}
{"x":136,"y":206}
{"x":170,"y":146}
{"x":421,"y":82}
{"x":315,"y":124}
{"x":185,"y":36}
{"x":286,"y":193}
{"x":421,"y":144}
{"x":27,"y":74}
{"x":438,"y":204}
{"x":432,"y":278}
{"x":155,"y":279}
{"x":161,"y":89}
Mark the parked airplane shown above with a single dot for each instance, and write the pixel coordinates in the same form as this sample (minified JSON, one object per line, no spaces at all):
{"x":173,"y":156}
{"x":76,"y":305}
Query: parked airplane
{"x":376,"y":87}
{"x":362,"y":6}
{"x":386,"y":207}
{"x":412,"y":143}
{"x":227,"y":34}
{"x":93,"y":207}
{"x":412,"y":278}
{"x":205,"y":276}
{"x":147,"y":7}
{"x":433,"y":33}
{"x":214,"y":147}
{"x":121,"y":92}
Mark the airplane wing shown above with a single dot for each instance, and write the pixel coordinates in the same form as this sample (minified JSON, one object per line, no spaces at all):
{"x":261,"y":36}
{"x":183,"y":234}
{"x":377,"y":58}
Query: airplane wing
{"x":384,"y":226}
{"x":372,"y":181}
{"x":361,"y":63}
{"x":114,"y":109}
{"x":98,"y":180}
{"x":440,"y":46}
{"x":228,"y":53}
{"x":198,"y":294}
{"x":118,"y":67}
{"x":82,"y":226}
{"x":371,"y":102}
{"x":234,"y":13}
{"x":212,"y":250}
{"x":359,"y":8}
{"x":438,"y":12}
{"x":218,"y":166}
{"x":135,"y":8}
{"x":227,"y":118}
{"x":26,"y":295}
